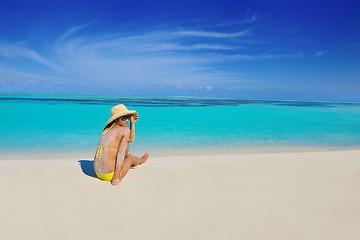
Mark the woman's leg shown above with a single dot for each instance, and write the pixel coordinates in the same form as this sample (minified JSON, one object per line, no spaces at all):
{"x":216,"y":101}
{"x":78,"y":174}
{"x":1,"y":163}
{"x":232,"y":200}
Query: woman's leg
{"x":131,"y":161}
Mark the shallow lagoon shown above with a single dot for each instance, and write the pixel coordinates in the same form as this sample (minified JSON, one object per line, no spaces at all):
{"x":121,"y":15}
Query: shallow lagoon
{"x":44,"y":123}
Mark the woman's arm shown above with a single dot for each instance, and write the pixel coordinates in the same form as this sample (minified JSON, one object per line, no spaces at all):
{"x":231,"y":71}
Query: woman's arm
{"x":120,"y":157}
{"x":133,"y":119}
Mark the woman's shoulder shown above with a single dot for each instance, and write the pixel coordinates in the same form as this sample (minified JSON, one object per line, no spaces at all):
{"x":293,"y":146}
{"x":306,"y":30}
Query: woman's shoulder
{"x":121,"y":130}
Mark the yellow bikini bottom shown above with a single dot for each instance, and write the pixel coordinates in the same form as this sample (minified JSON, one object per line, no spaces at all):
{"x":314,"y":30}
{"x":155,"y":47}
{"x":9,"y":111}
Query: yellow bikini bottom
{"x":105,"y":176}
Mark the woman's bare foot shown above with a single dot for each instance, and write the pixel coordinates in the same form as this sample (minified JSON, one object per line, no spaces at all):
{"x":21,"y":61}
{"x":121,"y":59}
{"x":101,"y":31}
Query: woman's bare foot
{"x":145,"y":157}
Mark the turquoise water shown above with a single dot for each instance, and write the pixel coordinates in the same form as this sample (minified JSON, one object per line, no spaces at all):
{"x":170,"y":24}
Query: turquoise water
{"x":65,"y":123}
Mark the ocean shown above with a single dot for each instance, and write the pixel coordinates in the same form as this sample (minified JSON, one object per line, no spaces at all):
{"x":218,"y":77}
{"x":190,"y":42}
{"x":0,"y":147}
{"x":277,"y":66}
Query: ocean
{"x":33,"y":123}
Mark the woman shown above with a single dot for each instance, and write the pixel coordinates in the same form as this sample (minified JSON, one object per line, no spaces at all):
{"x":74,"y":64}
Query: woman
{"x":112,"y":161}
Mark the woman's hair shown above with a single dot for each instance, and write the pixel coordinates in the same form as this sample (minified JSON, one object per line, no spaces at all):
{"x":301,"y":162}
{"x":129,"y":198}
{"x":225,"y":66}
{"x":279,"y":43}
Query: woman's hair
{"x":108,"y":126}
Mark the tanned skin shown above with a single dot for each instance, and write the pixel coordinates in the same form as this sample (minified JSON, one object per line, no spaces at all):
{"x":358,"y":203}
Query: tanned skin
{"x":113,"y":155}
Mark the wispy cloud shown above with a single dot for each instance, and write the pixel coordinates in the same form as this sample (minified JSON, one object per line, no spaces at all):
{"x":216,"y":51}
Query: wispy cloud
{"x":213,"y":34}
{"x":167,"y":59}
{"x":250,"y":18}
{"x":318,"y":53}
{"x":14,"y":51}
{"x":194,"y":47}
{"x":11,"y":77}
{"x":267,"y":56}
{"x":72,"y":31}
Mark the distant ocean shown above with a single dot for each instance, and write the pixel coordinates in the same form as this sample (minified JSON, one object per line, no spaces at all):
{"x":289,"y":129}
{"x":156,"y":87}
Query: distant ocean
{"x":72,"y":123}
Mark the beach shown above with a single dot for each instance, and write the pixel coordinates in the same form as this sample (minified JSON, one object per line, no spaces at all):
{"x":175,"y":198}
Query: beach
{"x":278,"y":196}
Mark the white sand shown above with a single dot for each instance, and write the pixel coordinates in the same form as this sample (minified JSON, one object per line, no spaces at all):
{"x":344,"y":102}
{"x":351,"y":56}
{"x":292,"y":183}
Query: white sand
{"x":278,"y":196}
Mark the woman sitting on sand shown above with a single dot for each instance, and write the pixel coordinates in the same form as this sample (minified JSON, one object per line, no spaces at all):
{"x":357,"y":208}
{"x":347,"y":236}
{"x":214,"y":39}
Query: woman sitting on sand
{"x":112,"y":161}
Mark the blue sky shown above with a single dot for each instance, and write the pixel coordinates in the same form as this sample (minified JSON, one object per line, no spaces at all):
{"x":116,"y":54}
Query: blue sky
{"x":247,"y":49}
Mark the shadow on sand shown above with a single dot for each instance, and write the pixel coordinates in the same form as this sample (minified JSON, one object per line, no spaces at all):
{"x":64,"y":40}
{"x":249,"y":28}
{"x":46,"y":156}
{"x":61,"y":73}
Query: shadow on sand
{"x":87,"y":167}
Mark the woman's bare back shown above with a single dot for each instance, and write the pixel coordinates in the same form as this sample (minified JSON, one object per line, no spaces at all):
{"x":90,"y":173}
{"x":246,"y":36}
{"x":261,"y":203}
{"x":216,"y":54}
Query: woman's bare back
{"x":106,"y":154}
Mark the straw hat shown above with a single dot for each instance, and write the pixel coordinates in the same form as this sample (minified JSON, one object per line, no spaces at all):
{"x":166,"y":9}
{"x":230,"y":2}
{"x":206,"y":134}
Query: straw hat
{"x":118,"y":111}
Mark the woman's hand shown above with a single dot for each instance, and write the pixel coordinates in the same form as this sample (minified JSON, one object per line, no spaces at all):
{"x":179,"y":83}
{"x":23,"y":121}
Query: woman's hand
{"x":134,"y":117}
{"x":115,"y":181}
